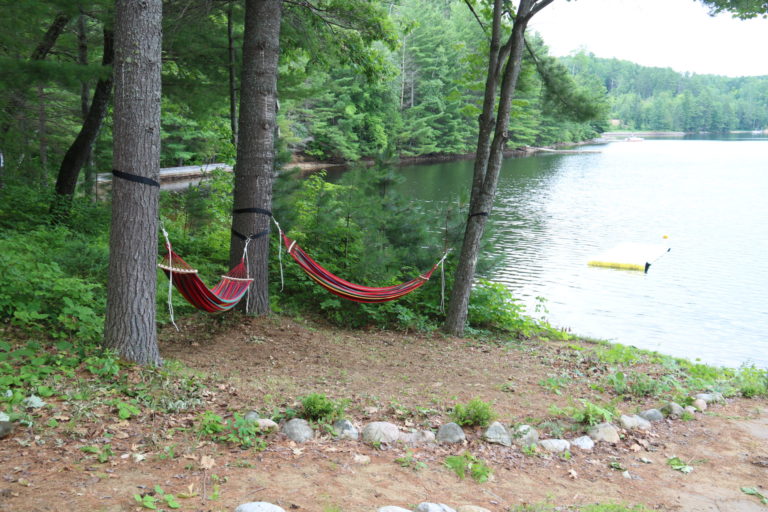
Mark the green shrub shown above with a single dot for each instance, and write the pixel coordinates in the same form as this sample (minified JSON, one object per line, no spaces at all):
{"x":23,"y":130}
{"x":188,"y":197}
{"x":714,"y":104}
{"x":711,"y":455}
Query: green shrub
{"x":467,"y":463}
{"x":318,"y":407}
{"x":474,"y":413}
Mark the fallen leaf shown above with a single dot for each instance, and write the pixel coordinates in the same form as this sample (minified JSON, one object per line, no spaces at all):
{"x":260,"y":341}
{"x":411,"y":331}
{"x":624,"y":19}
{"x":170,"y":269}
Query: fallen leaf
{"x":207,"y":462}
{"x":24,"y":482}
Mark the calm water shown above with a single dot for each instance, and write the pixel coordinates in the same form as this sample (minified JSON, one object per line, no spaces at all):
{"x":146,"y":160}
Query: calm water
{"x":706,"y":299}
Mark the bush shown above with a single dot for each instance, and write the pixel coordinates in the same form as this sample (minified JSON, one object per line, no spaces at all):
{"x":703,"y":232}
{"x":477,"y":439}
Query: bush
{"x":476,"y":413}
{"x":318,"y":407}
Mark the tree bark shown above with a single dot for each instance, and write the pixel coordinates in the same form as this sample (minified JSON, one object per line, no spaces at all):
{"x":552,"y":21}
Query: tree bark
{"x":78,"y":153}
{"x":232,"y":79}
{"x":489,"y":152}
{"x":130,"y":320}
{"x":254,"y":171}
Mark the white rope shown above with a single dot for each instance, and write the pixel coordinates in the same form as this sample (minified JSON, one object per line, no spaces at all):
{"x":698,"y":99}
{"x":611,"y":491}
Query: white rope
{"x":247,"y":275}
{"x":442,"y":281}
{"x":280,"y":252}
{"x":170,"y":275}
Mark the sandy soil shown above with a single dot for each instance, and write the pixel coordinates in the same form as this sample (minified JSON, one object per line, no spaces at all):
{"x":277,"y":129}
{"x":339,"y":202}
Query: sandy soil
{"x":267,"y":363}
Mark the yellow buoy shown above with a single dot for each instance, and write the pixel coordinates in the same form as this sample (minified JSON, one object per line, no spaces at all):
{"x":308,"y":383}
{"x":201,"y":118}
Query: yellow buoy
{"x":630,"y":256}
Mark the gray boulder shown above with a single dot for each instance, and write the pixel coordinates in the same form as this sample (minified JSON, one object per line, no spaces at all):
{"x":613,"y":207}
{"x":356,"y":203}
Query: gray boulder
{"x":417,"y":438}
{"x":699,"y":404}
{"x":604,"y":432}
{"x":711,"y":398}
{"x":555,"y":445}
{"x":259,"y":506}
{"x":673,"y":410}
{"x":526,"y":435}
{"x":298,"y":430}
{"x":433,"y":507}
{"x":450,"y":433}
{"x":634,"y":422}
{"x":6,"y":427}
{"x":498,"y":433}
{"x":583,"y":443}
{"x":381,"y":432}
{"x":652,"y":415}
{"x":344,"y":429}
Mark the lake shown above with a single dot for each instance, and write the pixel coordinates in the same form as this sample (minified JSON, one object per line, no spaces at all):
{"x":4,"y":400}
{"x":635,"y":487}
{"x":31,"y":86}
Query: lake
{"x":704,"y":300}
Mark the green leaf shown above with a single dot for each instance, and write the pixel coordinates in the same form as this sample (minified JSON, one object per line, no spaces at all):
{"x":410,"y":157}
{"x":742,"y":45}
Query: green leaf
{"x":678,"y":465}
{"x":754,"y":492}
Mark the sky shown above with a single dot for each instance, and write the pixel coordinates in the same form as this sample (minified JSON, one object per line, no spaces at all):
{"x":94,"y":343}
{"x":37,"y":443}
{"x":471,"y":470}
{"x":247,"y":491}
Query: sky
{"x":677,"y":34}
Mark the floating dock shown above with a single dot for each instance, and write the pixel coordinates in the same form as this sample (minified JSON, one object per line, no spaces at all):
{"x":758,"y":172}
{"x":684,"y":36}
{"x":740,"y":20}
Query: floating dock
{"x":630,"y":256}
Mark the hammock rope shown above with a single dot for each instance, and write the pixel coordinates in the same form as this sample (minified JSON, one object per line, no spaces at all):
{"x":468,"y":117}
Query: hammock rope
{"x":346,"y":289}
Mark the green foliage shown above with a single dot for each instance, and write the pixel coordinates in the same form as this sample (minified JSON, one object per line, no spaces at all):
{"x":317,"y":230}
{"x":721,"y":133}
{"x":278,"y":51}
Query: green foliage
{"x":678,"y":465}
{"x":151,"y":500}
{"x":475,"y":413}
{"x":752,"y":382}
{"x":410,"y":461}
{"x":466,"y":463}
{"x":754,"y":492}
{"x":318,"y":407}
{"x":588,"y":414}
{"x":102,"y":453}
{"x":236,"y":431}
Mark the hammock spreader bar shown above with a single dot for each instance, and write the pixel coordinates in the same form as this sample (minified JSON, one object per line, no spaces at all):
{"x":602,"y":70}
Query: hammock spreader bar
{"x":347,"y":290}
{"x":222,"y":297}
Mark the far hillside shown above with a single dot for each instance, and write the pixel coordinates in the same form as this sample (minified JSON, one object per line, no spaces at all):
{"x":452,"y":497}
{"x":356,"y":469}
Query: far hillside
{"x":648,"y":98}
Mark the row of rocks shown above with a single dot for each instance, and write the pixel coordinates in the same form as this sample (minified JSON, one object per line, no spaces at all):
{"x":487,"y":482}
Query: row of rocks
{"x":382,"y":433}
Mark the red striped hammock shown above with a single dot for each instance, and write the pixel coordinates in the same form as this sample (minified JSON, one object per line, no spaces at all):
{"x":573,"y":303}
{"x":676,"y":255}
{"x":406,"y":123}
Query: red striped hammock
{"x":347,"y":290}
{"x":222,"y":297}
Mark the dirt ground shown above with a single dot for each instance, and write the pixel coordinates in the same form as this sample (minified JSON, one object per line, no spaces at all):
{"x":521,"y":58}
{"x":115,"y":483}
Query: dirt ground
{"x":411,"y":380}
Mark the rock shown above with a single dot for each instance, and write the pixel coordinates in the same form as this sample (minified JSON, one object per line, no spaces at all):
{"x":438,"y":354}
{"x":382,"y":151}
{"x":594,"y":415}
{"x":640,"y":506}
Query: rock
{"x":450,"y":433}
{"x":380,"y":432}
{"x":526,"y":435}
{"x":471,"y":508}
{"x":344,"y":429}
{"x":417,"y":438}
{"x":604,"y":432}
{"x":4,"y":417}
{"x":251,"y":416}
{"x":498,"y":433}
{"x":434,"y":507}
{"x":652,"y":415}
{"x":711,"y":398}
{"x":259,"y":506}
{"x":583,"y":443}
{"x":673,"y":410}
{"x":266,"y":425}
{"x":390,"y":508}
{"x":690,"y":409}
{"x":6,"y":427}
{"x":634,"y":422}
{"x":555,"y":445}
{"x":700,"y":404}
{"x":33,"y":402}
{"x":298,"y":430}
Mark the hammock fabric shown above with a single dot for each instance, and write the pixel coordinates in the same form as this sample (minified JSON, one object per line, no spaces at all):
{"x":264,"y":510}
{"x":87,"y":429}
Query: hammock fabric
{"x":347,"y":290}
{"x":222,"y":297}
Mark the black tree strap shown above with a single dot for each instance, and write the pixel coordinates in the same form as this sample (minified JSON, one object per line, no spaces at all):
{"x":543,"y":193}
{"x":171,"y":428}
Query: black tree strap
{"x":480,"y":214}
{"x":135,"y":178}
{"x":253,"y":210}
{"x":252,"y":237}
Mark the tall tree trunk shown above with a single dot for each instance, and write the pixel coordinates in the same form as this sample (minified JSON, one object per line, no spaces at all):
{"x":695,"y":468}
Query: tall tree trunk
{"x":231,"y":57}
{"x":130,"y":320}
{"x":85,"y":95}
{"x":489,"y":152}
{"x":78,"y":153}
{"x":42,"y":139}
{"x":254,"y":171}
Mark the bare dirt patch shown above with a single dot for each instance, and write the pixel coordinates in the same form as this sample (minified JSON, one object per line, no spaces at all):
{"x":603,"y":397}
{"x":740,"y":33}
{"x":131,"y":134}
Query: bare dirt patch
{"x":412,"y":380}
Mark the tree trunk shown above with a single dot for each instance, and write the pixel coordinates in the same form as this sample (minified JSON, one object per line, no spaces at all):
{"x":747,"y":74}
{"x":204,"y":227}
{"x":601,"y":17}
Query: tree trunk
{"x":78,"y":153}
{"x":489,"y":153}
{"x":254,"y":171}
{"x":130,"y":320}
{"x":232,"y":79}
